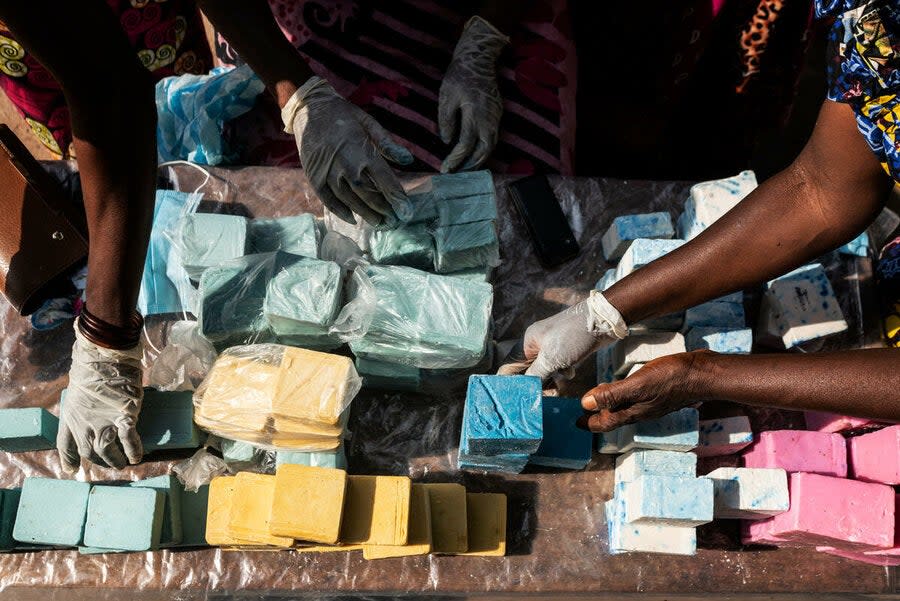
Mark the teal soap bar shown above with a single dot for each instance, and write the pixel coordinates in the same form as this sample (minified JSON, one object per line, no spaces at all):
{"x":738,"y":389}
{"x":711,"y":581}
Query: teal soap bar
{"x":302,"y":301}
{"x":503,"y":414}
{"x":333,"y":459}
{"x":9,"y":505}
{"x":380,"y":375}
{"x":171,"y":532}
{"x":166,"y":421}
{"x":466,"y":245}
{"x":207,"y":239}
{"x":564,"y":444}
{"x":467,"y":209}
{"x":461,"y":185}
{"x":297,"y":234}
{"x":124,"y":518}
{"x":27,"y":429}
{"x":410,"y":245}
{"x":194,"y":507}
{"x":504,"y":463}
{"x":52,"y":512}
{"x":474,"y":274}
{"x":237,"y":453}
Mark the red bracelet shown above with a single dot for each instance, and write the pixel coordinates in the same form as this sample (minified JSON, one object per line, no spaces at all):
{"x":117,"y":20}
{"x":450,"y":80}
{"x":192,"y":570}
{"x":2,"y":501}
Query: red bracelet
{"x":102,"y":333}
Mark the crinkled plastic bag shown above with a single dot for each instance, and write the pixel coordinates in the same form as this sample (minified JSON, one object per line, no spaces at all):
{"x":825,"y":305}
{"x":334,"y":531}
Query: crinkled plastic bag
{"x":199,"y":469}
{"x":184,"y":361}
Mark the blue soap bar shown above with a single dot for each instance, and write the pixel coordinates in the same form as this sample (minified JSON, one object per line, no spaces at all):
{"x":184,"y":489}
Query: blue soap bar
{"x":381,"y":375}
{"x":677,"y":431}
{"x":634,"y":464}
{"x":302,"y":301}
{"x":124,"y":518}
{"x":52,"y":512}
{"x":171,"y":533}
{"x":608,"y":279}
{"x":564,"y":444}
{"x":194,"y":508}
{"x":720,"y":340}
{"x":626,"y":228}
{"x":466,"y":245}
{"x":507,"y":463}
{"x":297,"y":234}
{"x":503,"y":414}
{"x":166,"y":421}
{"x":858,"y":247}
{"x":207,"y":239}
{"x":671,"y":500}
{"x":715,"y":314}
{"x":643,"y":251}
{"x":411,"y":245}
{"x":27,"y":429}
{"x":9,"y":505}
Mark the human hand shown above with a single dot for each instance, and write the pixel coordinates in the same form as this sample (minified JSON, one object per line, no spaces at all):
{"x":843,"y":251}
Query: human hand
{"x":558,"y":343}
{"x":469,"y":103}
{"x":342,"y":149}
{"x":660,"y":387}
{"x":98,"y":420}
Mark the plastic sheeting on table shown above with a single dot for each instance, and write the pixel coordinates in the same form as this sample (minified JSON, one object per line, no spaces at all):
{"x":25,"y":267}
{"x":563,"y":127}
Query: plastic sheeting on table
{"x":556,"y":531}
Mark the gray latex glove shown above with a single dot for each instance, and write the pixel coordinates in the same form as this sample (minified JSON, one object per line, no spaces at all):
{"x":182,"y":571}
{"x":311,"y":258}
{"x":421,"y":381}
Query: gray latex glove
{"x":469,"y":104}
{"x":342,"y":149}
{"x":556,"y":344}
{"x":97,"y":421}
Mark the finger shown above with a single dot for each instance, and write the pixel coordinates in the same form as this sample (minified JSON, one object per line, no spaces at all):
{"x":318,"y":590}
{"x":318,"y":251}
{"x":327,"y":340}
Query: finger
{"x":384,"y":143}
{"x":69,"y":458}
{"x":541,"y":367}
{"x":612,"y":396}
{"x":464,"y":147}
{"x":513,"y":369}
{"x":385,"y":182}
{"x":131,"y":443}
{"x":355,"y":203}
{"x":363,"y":188}
{"x":106,"y":446}
{"x":485,"y":146}
{"x":334,"y":204}
{"x":448,"y":116}
{"x":606,"y":421}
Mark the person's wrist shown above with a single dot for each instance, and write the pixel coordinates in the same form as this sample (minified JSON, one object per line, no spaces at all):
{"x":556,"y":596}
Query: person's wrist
{"x":703,"y":375}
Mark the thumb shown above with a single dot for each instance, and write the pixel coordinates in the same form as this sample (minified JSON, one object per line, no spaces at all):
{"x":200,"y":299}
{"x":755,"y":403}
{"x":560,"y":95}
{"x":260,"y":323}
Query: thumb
{"x":131,"y":442}
{"x":382,"y":139}
{"x":448,"y":116}
{"x":610,"y":397}
{"x":68,"y":450}
{"x":542,"y":367}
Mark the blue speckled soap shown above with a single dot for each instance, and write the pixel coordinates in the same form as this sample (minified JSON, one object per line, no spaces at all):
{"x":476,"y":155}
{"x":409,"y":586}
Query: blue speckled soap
{"x":749,"y":493}
{"x":803,"y":306}
{"x":677,"y":431}
{"x":725,"y":312}
{"x":608,"y":279}
{"x":645,"y":538}
{"x":626,"y":228}
{"x":605,"y":368}
{"x":52,"y":512}
{"x":564,"y":444}
{"x":670,"y":500}
{"x":9,"y":505}
{"x":858,"y":247}
{"x":641,"y":251}
{"x":503,"y":414}
{"x":194,"y":509}
{"x":710,"y":200}
{"x":720,"y":340}
{"x":27,"y":429}
{"x":207,"y":239}
{"x":124,"y":518}
{"x":171,"y":533}
{"x":296,"y":234}
{"x":634,"y":464}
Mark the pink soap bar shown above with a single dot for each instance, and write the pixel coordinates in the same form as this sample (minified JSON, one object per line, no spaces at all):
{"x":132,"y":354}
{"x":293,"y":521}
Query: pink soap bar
{"x":759,"y":532}
{"x":832,"y":422}
{"x":836,"y":512}
{"x":881,"y":557}
{"x":875,"y":457}
{"x":800,"y":451}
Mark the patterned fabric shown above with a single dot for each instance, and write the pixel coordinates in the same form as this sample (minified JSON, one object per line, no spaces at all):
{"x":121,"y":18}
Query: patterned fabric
{"x":887,"y":273}
{"x":389,"y":56}
{"x":167,"y":35}
{"x":865,"y":70}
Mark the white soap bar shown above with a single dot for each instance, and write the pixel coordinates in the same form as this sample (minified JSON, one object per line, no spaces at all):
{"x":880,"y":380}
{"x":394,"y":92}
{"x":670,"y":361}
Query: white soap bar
{"x":607,"y":280}
{"x":646,"y":538}
{"x":604,"y":359}
{"x":677,"y":431}
{"x":802,"y":306}
{"x":749,"y":493}
{"x":634,"y":464}
{"x":641,"y":348}
{"x":668,"y":500}
{"x":626,"y":228}
{"x":710,"y":200}
{"x":724,"y":436}
{"x":643,"y":251}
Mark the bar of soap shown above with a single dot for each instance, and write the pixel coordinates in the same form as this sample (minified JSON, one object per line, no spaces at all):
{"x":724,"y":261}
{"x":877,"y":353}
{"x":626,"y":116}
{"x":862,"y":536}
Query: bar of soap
{"x":382,"y":375}
{"x":27,"y":429}
{"x":720,"y":340}
{"x":801,"y":306}
{"x":832,"y":422}
{"x":749,"y":493}
{"x":467,"y":209}
{"x":473,"y":274}
{"x":207,"y":239}
{"x":607,"y":280}
{"x":314,"y":386}
{"x":486,"y":524}
{"x":882,"y":557}
{"x":608,"y":442}
{"x":643,"y":251}
{"x":419,"y":542}
{"x":238,"y":453}
{"x":563,"y":444}
{"x":627,"y":228}
{"x":376,"y":511}
{"x":449,"y":522}
{"x":503,"y":414}
{"x":309,"y":503}
{"x":302,"y":301}
{"x":646,"y":538}
{"x":875,"y":457}
{"x":800,"y":451}
{"x":410,"y":244}
{"x":643,"y":348}
{"x":194,"y":508}
{"x":668,"y":500}
{"x":710,"y":200}
{"x":720,"y":313}
{"x":440,"y":188}
{"x":251,"y":510}
{"x":677,"y":431}
{"x":635,"y":464}
{"x":858,"y":247}
{"x":838,"y":513}
{"x":465,"y":246}
{"x":724,"y":436}
{"x":124,"y":518}
{"x":9,"y":505}
{"x":333,"y":459}
{"x":52,"y":512}
{"x":171,"y":532}
{"x":219,"y":506}
{"x":505,"y":463}
{"x":605,"y":367}
{"x":166,"y":421}
{"x":296,"y":234}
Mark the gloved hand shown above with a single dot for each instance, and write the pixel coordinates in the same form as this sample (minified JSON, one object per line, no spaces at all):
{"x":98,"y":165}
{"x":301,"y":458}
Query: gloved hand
{"x":469,"y":103}
{"x":341,"y":148}
{"x":98,"y":418}
{"x":556,"y":344}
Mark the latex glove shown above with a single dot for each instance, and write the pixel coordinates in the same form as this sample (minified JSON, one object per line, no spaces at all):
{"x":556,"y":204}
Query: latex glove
{"x":661,"y":386}
{"x":469,"y":103}
{"x":556,"y":344}
{"x":341,"y":148}
{"x":98,"y":418}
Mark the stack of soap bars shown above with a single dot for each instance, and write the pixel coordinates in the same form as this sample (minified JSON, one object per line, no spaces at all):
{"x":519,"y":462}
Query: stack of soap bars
{"x":384,"y":516}
{"x":279,"y":396}
{"x":507,"y":424}
{"x":102,"y":518}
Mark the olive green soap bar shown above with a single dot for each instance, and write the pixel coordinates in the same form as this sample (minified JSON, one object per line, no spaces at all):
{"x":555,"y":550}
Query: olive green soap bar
{"x":27,"y":429}
{"x":167,"y":421}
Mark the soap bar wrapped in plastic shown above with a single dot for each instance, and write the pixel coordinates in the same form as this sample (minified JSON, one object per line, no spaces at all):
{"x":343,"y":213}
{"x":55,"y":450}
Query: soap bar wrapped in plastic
{"x":207,"y":239}
{"x":410,"y":245}
{"x":278,"y":397}
{"x":466,"y":245}
{"x":407,"y":316}
{"x":302,"y":300}
{"x":296,"y":234}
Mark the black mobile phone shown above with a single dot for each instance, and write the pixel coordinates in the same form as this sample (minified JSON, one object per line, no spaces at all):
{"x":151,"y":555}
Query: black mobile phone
{"x":553,"y":239}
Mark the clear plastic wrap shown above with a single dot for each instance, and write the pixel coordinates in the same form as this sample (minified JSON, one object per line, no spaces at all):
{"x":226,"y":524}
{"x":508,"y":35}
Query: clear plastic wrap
{"x":199,"y":469}
{"x":183,"y":361}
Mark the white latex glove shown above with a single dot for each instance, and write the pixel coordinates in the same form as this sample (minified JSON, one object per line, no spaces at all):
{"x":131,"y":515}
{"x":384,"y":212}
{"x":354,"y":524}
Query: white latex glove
{"x":97,"y":420}
{"x":469,"y":102}
{"x":558,"y":343}
{"x":341,"y":148}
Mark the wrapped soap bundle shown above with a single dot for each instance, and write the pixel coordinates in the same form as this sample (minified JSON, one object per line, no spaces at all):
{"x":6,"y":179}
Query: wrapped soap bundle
{"x":278,"y":397}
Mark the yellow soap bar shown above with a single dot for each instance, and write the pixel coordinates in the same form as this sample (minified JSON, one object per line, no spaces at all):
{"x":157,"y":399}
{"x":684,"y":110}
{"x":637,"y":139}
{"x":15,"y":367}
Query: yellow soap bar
{"x":419,"y":530}
{"x":487,"y":524}
{"x":314,"y":386}
{"x":449,"y":528}
{"x":309,"y":503}
{"x":221,"y":493}
{"x":377,"y":510}
{"x":327,"y":548}
{"x":239,"y":391}
{"x":251,"y":508}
